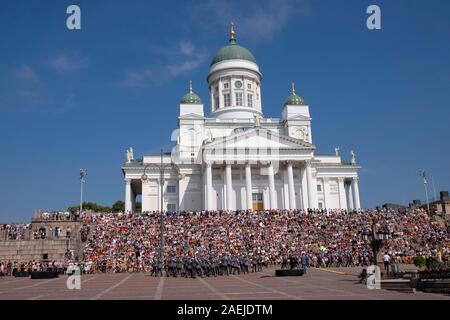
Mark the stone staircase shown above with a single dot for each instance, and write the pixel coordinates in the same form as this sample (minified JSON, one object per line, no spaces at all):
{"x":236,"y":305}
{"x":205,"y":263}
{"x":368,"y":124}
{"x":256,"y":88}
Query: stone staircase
{"x":400,"y":285}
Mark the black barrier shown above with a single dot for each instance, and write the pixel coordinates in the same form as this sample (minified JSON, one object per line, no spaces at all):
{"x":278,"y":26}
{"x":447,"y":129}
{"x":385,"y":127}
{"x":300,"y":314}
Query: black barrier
{"x":289,"y":272}
{"x":44,"y":275}
{"x":20,"y":274}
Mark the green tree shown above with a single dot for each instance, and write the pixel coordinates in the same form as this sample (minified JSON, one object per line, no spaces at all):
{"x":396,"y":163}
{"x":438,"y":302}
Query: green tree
{"x":419,"y":261}
{"x":138,"y":207}
{"x":118,"y":206}
{"x":90,"y":206}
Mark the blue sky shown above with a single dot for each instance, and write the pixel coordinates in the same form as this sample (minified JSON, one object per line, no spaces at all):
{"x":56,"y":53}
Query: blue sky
{"x":71,"y":99}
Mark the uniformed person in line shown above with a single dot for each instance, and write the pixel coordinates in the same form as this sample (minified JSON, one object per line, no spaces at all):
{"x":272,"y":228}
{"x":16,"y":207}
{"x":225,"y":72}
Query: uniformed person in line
{"x":235,"y":265}
{"x":189,"y":267}
{"x":246,"y":264}
{"x":206,"y":266}
{"x":179,"y":264}
{"x":160,"y":267}
{"x":212,"y":266}
{"x":260,"y":262}
{"x":223,"y":266}
{"x":198,"y":266}
{"x":254,"y":263}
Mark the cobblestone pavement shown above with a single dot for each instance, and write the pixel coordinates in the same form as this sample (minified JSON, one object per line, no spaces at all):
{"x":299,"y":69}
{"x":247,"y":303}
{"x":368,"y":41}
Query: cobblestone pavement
{"x":316,"y":284}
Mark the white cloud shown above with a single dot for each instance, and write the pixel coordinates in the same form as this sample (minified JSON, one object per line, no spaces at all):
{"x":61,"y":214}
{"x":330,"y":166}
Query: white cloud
{"x":68,"y":62}
{"x":26,"y":73}
{"x":182,"y":59}
{"x":257,"y":19}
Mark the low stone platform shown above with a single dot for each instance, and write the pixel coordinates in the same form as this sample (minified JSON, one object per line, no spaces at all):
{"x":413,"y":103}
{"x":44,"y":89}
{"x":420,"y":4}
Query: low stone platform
{"x":289,"y":272}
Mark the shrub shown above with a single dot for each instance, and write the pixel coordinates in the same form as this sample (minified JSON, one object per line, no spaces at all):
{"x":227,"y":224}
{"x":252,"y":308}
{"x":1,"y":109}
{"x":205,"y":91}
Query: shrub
{"x":419,"y":261}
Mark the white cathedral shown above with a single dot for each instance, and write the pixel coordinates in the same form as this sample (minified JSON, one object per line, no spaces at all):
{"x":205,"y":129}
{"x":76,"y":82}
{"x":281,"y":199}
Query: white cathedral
{"x":234,"y":158}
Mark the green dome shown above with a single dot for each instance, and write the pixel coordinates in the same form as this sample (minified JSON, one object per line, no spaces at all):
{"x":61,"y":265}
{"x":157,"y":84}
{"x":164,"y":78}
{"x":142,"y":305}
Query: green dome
{"x":191,"y":97}
{"x":294,"y":99}
{"x":231,"y":52}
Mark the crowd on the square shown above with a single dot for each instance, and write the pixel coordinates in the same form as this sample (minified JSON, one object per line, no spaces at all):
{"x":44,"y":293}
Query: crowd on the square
{"x":223,"y":243}
{"x":206,"y":242}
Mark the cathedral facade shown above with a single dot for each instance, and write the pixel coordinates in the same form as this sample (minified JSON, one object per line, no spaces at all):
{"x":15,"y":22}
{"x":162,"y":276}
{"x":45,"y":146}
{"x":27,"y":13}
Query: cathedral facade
{"x":231,"y":157}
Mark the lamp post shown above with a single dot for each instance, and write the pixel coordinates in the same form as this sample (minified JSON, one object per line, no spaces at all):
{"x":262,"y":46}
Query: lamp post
{"x":144,"y":178}
{"x":422,"y":173}
{"x":376,"y":239}
{"x":83,"y":173}
{"x":161,"y":172}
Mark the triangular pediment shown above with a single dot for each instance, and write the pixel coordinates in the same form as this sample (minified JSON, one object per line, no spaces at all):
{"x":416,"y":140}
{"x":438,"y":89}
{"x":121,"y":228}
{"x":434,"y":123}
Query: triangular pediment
{"x":255,"y":138}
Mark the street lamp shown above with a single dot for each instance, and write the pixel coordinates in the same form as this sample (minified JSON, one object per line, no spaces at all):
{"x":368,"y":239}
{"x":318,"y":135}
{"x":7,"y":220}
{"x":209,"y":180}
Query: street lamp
{"x":376,"y":238}
{"x":83,"y":173}
{"x":422,"y":173}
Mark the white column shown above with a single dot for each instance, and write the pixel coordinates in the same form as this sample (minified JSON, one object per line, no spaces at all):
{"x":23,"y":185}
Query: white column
{"x":305,"y":203}
{"x":232,"y":95}
{"x":221,"y":99}
{"x":133,"y":201}
{"x":208,"y":187}
{"x":211,"y":90}
{"x":356,"y":193}
{"x":229,"y":187}
{"x":350,"y":197}
{"x":326,"y":194}
{"x":311,"y":187}
{"x":292,"y":204}
{"x":248,"y":184}
{"x":342,"y":196}
{"x":128,"y":204}
{"x":273,"y":198}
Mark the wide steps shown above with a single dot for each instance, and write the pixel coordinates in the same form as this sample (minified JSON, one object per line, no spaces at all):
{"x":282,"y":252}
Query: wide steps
{"x":399,"y":285}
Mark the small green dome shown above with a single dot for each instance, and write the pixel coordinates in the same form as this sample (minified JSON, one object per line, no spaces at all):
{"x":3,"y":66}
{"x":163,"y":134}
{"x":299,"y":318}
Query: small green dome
{"x":191,"y":97}
{"x":294,"y":99}
{"x":232,"y":51}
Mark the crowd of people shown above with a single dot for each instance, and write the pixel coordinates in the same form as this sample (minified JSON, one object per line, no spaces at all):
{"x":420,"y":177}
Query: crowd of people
{"x":223,"y":243}
{"x":57,"y":215}
{"x":203,"y":241}
{"x":14,"y":231}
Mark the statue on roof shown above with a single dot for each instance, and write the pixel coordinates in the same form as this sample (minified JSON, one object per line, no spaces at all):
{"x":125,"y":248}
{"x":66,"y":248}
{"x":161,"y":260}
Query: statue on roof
{"x":337,"y":151}
{"x":129,"y":154}
{"x":257,"y":118}
{"x":352,"y":157}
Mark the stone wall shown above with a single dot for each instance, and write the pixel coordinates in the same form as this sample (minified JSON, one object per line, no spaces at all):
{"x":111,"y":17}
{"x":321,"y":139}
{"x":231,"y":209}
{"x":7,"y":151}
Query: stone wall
{"x":35,"y":249}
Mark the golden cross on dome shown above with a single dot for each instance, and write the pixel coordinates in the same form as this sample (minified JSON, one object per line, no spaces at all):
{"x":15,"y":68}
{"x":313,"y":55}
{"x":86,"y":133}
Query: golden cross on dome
{"x":232,"y":33}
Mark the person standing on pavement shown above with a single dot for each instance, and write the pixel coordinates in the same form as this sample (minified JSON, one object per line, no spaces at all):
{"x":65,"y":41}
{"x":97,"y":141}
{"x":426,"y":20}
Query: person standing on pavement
{"x":386,"y":261}
{"x":304,"y":261}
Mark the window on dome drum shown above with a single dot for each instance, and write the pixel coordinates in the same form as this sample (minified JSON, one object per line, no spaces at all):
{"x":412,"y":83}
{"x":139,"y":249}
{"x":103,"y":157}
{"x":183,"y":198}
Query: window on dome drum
{"x":249,"y":86}
{"x":319,"y":187}
{"x":216,"y":102}
{"x":171,"y":189}
{"x":227,"y":99}
{"x":226,"y":85}
{"x":239,"y":99}
{"x":250,"y":100}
